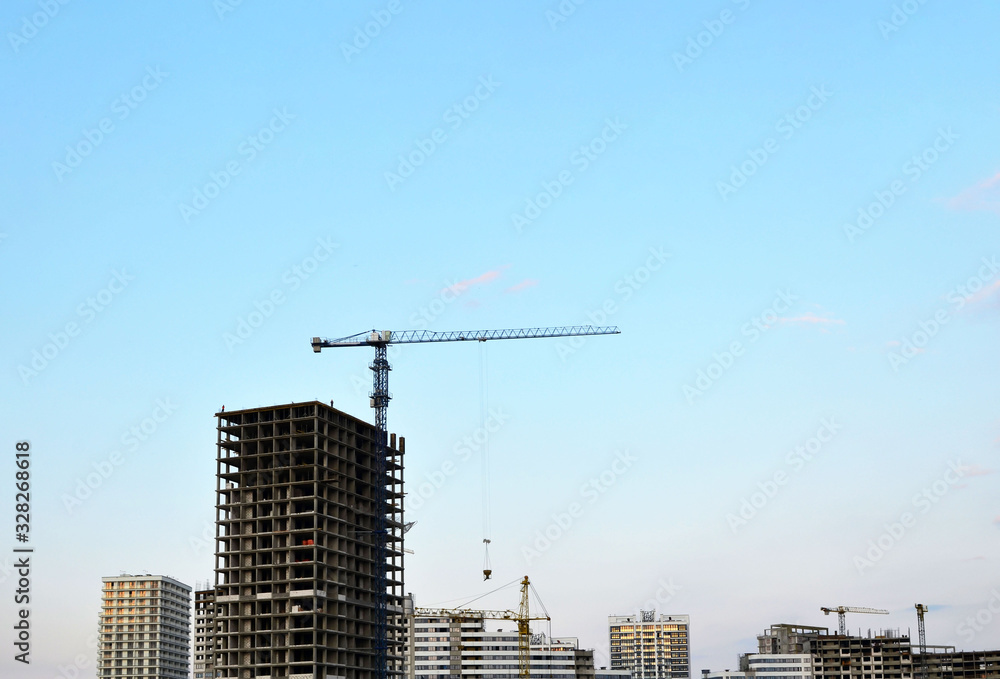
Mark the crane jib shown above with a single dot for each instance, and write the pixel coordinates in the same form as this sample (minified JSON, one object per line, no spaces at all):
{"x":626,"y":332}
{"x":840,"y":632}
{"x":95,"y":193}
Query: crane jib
{"x":386,"y":337}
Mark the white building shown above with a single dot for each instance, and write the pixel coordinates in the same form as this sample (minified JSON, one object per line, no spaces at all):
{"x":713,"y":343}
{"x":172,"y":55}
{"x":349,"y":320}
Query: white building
{"x":443,"y":647}
{"x":144,"y":628}
{"x":651,"y":647}
{"x":778,"y":665}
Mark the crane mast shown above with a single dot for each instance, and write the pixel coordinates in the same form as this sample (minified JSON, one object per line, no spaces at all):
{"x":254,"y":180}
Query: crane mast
{"x":921,"y":609}
{"x":379,"y":401}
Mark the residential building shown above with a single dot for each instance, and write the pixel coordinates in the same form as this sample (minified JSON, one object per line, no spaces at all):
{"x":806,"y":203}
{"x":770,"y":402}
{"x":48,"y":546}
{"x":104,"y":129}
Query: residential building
{"x":944,"y":662}
{"x":885,"y":654}
{"x":442,"y":647}
{"x":806,"y":652}
{"x":309,"y":530}
{"x":651,"y":647}
{"x":778,"y":665}
{"x":204,"y":627}
{"x":144,"y":628}
{"x":605,"y":673}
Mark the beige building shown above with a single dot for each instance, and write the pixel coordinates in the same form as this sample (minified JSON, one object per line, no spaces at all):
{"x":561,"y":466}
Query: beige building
{"x":651,"y":646}
{"x":204,"y":627}
{"x":145,"y":628}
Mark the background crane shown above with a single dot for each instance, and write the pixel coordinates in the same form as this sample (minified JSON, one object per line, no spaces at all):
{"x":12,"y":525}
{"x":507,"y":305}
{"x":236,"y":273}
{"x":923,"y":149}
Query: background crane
{"x":841,"y":610}
{"x":522,"y":617}
{"x":921,"y":609}
{"x":380,"y":398}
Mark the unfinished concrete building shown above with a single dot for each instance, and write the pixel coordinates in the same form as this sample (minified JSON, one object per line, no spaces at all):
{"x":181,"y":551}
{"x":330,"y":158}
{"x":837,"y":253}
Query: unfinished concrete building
{"x":883,"y":655}
{"x":297,"y":531}
{"x":944,"y":662}
{"x":787,"y":651}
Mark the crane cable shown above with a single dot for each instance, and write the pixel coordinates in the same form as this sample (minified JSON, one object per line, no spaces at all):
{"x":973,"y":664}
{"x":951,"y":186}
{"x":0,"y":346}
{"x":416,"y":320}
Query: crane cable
{"x":484,"y":402}
{"x":494,"y":591}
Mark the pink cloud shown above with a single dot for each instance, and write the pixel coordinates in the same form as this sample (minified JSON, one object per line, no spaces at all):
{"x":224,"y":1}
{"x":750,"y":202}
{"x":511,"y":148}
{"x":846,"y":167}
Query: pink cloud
{"x":523,"y":285}
{"x":985,"y":293}
{"x":997,"y":520}
{"x":811,"y":318}
{"x":983,"y":196}
{"x":976,"y":470}
{"x":461,"y":286}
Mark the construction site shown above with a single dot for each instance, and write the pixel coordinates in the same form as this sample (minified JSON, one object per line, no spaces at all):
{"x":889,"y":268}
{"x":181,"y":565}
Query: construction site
{"x":301,"y":558}
{"x":310,"y":557}
{"x":792,"y":651}
{"x":310,"y":530}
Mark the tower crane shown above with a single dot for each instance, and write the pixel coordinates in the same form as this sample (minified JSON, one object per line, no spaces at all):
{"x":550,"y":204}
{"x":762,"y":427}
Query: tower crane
{"x":921,"y":609}
{"x":522,"y":616}
{"x":841,"y":610}
{"x":379,"y":400}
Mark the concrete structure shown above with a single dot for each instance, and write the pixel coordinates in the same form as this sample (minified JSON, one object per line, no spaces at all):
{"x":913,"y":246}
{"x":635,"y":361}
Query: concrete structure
{"x":204,"y":629}
{"x":296,"y":528}
{"x":884,"y":655}
{"x":443,"y":647}
{"x":944,"y":662}
{"x":144,"y":628}
{"x":651,"y":647}
{"x":804,"y":652}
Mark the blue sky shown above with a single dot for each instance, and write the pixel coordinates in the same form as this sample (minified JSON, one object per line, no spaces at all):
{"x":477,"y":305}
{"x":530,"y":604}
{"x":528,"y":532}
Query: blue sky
{"x":790,"y":209}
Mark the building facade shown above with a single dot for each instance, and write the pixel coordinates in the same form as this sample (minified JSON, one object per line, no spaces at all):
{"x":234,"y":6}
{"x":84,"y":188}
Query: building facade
{"x":778,"y":665}
{"x":447,"y":647}
{"x":651,"y":647}
{"x":144,"y":628}
{"x":806,"y":652}
{"x":885,"y":654}
{"x":298,"y":528}
{"x":947,"y":663}
{"x":204,"y":628}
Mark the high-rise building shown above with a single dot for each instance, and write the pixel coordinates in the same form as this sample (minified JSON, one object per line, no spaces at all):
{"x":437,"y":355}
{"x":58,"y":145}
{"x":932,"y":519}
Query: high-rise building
{"x":443,"y":647}
{"x":145,"y":628}
{"x":204,"y":629}
{"x":651,"y":647}
{"x":789,"y":650}
{"x":885,"y":655}
{"x":299,"y":529}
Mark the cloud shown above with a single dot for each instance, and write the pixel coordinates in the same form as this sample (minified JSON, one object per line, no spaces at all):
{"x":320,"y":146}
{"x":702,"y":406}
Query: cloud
{"x":983,"y":294}
{"x":912,"y":349}
{"x":983,"y":196}
{"x":461,"y":286}
{"x":523,"y":285}
{"x":812,"y":319}
{"x":976,"y":470}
